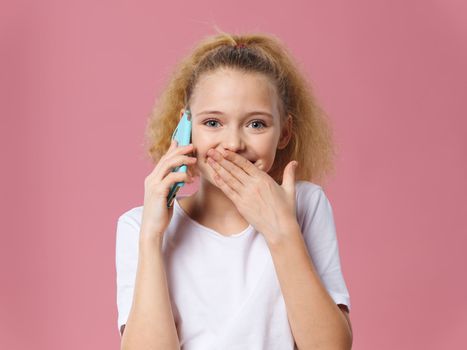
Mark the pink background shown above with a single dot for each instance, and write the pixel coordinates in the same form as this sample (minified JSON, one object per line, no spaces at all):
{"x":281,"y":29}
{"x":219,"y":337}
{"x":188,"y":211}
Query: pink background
{"x":78,"y":79}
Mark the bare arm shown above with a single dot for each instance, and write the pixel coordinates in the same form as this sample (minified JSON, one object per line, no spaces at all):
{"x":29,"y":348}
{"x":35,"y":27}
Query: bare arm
{"x":316,"y":321}
{"x":150,"y":324}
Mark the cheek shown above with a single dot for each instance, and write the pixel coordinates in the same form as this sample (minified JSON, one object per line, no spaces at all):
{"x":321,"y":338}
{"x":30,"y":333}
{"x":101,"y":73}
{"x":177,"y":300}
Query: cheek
{"x":201,"y":166}
{"x":266,"y":162}
{"x":199,"y":148}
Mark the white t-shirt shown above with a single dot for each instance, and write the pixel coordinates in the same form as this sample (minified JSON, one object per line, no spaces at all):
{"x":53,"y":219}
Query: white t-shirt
{"x":224,"y":290}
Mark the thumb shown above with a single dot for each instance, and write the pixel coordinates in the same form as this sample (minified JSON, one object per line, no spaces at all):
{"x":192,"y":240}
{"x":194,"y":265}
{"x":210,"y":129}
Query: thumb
{"x":288,"y":179}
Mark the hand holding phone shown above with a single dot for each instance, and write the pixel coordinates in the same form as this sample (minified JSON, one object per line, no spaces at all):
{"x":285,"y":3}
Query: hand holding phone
{"x":156,"y":215}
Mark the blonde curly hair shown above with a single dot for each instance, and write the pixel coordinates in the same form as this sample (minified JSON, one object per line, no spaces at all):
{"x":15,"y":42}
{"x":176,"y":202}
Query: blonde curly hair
{"x":311,"y":143}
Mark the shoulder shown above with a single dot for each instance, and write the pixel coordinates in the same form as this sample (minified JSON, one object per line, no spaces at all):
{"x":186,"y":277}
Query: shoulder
{"x":306,"y":187}
{"x":313,"y":208}
{"x":128,"y":226}
{"x":132,"y":216}
{"x":308,"y":194}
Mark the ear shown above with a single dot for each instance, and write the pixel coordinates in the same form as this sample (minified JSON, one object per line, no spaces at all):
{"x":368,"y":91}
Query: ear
{"x":286,"y":133}
{"x":181,"y":114}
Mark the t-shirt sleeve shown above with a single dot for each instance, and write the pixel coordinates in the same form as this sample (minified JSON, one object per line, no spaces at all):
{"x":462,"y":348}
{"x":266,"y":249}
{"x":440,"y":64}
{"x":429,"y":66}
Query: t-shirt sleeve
{"x":126,"y":259}
{"x":319,"y":232}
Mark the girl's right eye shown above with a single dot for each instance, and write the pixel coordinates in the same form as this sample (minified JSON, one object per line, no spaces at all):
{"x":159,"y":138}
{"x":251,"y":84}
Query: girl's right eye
{"x":209,"y":121}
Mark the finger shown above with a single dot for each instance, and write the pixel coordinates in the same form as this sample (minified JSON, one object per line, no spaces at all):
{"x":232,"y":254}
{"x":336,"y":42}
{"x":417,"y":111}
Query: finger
{"x":225,"y":187}
{"x":175,"y":148}
{"x":234,"y":170}
{"x":224,"y":176}
{"x":172,"y":178}
{"x":241,"y":162}
{"x":172,"y":161}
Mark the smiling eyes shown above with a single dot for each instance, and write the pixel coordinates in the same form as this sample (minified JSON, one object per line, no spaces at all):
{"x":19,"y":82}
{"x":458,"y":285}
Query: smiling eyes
{"x":254,"y":121}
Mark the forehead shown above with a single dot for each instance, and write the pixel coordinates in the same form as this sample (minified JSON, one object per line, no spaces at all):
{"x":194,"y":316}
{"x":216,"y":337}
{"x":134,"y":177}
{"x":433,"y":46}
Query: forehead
{"x":228,"y":87}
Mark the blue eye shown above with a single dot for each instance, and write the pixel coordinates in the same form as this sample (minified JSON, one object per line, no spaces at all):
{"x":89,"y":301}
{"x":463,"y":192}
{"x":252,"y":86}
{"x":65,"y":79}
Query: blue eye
{"x":260,"y":122}
{"x":254,"y":121}
{"x":210,"y":120}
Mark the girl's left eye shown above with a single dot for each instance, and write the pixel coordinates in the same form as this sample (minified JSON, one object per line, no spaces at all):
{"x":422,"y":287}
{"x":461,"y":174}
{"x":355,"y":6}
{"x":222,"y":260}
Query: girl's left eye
{"x":254,"y":121}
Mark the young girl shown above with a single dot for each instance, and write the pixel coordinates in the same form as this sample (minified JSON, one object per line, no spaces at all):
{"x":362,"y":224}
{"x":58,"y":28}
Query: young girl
{"x":251,"y":260}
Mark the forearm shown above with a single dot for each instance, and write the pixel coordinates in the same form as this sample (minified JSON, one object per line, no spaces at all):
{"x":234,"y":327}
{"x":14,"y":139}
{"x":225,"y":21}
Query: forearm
{"x":150,"y":324}
{"x":315,"y":319}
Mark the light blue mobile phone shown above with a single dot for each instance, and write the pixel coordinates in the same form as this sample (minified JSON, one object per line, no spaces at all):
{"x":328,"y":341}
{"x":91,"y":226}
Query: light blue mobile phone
{"x":182,"y":134}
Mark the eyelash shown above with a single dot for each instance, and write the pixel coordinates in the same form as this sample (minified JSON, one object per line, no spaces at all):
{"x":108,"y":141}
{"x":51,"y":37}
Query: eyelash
{"x":253,"y":121}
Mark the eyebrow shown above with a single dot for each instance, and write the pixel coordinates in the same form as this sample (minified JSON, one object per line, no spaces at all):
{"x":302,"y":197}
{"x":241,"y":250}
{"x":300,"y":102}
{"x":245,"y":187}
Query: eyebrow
{"x":247,"y":115}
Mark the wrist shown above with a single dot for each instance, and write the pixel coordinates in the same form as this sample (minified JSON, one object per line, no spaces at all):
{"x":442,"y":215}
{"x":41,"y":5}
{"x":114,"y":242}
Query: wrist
{"x":150,"y":238}
{"x":285,"y":233}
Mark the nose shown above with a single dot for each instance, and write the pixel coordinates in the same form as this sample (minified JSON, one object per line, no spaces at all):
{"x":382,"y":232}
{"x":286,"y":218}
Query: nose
{"x":233,"y":142}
